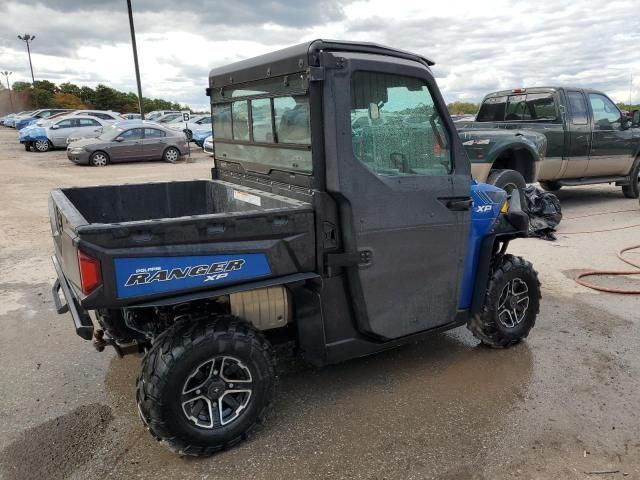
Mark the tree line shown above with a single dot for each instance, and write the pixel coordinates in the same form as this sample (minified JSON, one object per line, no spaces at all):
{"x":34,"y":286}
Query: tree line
{"x":47,"y":94}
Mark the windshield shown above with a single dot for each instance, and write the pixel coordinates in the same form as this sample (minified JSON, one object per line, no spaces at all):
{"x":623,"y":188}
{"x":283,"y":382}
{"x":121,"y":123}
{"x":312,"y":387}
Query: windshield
{"x":110,"y":133}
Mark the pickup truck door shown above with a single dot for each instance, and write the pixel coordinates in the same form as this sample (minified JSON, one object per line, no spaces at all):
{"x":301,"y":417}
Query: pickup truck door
{"x":402,"y":180}
{"x":578,"y":135}
{"x":613,"y":145}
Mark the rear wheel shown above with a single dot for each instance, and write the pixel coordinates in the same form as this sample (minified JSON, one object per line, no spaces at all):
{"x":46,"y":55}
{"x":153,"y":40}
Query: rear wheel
{"x":508,"y":180}
{"x":99,"y":159}
{"x":42,"y":145}
{"x":633,"y":189}
{"x":550,"y":186}
{"x":511,"y":305}
{"x":205,"y":384}
{"x":27,"y":146}
{"x":171,"y":154}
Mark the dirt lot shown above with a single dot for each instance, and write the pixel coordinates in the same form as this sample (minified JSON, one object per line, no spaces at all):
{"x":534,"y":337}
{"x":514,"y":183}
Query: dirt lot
{"x":561,"y":404}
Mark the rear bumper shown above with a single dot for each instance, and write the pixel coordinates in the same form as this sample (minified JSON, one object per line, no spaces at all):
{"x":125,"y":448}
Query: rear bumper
{"x":81,"y":319}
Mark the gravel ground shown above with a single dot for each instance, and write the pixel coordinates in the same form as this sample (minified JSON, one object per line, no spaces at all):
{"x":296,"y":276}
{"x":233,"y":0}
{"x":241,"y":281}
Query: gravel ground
{"x":559,"y":405}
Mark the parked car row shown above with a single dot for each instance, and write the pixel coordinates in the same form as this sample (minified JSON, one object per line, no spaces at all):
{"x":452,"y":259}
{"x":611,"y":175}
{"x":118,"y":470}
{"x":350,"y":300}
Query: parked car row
{"x":100,"y":137}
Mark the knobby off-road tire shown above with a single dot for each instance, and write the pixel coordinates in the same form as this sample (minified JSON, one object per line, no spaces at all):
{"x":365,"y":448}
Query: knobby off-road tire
{"x":511,"y":304}
{"x":633,"y":189}
{"x":508,"y":180}
{"x":212,"y":357}
{"x":550,"y":186}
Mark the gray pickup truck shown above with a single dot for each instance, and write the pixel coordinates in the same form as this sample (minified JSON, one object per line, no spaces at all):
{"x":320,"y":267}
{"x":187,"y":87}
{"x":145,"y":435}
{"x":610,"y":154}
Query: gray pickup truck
{"x":589,"y":140}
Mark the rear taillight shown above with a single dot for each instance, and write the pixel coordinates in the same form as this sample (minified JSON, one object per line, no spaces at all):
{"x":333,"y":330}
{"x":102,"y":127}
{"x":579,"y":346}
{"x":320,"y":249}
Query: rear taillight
{"x":90,"y":272}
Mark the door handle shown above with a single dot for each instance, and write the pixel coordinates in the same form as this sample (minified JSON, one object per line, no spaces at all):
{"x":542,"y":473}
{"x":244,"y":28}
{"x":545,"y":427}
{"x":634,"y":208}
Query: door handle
{"x":458,"y":204}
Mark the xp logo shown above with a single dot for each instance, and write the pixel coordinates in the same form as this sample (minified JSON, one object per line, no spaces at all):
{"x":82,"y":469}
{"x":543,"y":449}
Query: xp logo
{"x":483,"y":208}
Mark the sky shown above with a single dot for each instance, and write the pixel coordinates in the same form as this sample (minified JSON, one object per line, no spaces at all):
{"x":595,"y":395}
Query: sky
{"x":478,"y":46}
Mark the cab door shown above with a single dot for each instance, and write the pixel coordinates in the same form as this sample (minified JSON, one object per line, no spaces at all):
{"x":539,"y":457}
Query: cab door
{"x":612,"y":149}
{"x":398,"y":171}
{"x":578,"y":135}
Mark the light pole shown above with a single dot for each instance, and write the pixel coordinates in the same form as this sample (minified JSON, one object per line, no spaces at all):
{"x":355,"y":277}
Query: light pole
{"x":27,"y":39}
{"x":135,"y":59}
{"x":6,"y":75}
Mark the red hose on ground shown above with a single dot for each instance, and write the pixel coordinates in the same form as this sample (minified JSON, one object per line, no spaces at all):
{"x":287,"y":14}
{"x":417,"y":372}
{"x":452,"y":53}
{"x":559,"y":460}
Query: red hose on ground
{"x":612,"y":272}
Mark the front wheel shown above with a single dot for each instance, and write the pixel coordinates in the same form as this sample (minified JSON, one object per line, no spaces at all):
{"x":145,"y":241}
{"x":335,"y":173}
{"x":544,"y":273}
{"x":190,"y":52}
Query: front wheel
{"x":508,"y":180}
{"x":42,"y":145}
{"x":99,"y":159}
{"x":205,"y":384}
{"x":511,"y":304}
{"x":632,"y":190}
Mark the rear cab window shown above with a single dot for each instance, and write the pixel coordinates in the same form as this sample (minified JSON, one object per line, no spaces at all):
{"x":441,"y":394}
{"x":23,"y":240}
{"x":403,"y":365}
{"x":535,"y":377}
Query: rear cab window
{"x":264,"y":125}
{"x":524,"y":107}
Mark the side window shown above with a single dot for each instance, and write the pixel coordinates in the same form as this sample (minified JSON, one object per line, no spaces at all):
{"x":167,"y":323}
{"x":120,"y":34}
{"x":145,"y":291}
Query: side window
{"x":87,"y":122}
{"x":222,"y":120}
{"x":204,"y":121}
{"x":103,"y":116}
{"x":541,"y":106}
{"x":577,"y":108}
{"x":132,"y":134}
{"x":153,"y":133}
{"x":605,"y":113}
{"x":492,"y":110}
{"x":240,"y":118}
{"x":261,"y":120}
{"x":395,"y":127}
{"x":292,"y":120}
{"x":67,"y":123}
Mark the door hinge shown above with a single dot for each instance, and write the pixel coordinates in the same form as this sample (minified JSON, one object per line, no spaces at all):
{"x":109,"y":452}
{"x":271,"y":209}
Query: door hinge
{"x":315,"y":74}
{"x":362,"y":258}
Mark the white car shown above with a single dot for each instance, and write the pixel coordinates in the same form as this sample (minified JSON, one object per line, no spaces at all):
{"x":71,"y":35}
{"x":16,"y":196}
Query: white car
{"x":207,"y":145}
{"x":54,"y":134}
{"x":197,"y":122}
{"x":158,"y":114}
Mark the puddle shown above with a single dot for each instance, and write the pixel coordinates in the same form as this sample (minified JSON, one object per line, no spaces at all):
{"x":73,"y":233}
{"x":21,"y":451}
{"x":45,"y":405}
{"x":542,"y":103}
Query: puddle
{"x":55,"y":449}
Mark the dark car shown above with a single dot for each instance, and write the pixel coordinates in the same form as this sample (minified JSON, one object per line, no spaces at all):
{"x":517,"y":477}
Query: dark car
{"x":136,"y":142}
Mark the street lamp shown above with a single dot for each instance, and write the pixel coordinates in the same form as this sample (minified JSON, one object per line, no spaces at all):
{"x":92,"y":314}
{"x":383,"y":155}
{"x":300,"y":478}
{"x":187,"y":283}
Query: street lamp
{"x":27,"y":39}
{"x":135,"y":59}
{"x":6,"y":76}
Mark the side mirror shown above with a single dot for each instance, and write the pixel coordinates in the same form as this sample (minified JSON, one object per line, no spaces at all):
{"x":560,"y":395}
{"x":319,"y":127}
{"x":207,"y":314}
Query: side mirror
{"x":54,"y":127}
{"x":635,"y":118}
{"x":118,"y":139}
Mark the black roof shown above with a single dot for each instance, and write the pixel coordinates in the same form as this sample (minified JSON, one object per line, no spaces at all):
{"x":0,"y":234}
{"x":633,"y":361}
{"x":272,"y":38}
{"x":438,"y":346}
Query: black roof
{"x":296,"y":59}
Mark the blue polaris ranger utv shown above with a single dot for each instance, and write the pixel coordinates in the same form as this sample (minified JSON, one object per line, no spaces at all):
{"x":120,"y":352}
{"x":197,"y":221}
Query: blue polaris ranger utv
{"x":340,"y":218}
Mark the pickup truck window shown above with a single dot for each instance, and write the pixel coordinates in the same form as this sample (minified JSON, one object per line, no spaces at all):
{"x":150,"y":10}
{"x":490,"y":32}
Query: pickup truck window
{"x":292,"y":120}
{"x":261,"y":120}
{"x":395,"y":128}
{"x":526,"y":107}
{"x":492,"y":110}
{"x":578,"y":108}
{"x":240,"y":119}
{"x":222,"y":119}
{"x":605,"y":113}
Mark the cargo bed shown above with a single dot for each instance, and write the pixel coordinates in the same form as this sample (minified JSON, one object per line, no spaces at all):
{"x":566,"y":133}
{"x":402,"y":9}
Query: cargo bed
{"x":154,"y":240}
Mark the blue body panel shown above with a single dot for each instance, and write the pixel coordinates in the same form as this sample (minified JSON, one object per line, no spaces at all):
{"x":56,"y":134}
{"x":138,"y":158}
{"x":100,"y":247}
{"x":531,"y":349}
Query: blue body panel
{"x":487,"y":201}
{"x":137,"y":277}
{"x":25,"y":122}
{"x":199,"y":136}
{"x":32,"y":133}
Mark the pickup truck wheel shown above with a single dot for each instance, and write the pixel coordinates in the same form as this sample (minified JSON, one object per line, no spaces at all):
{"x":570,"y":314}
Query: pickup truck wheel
{"x":205,"y":384}
{"x":508,"y":180}
{"x":171,"y":154}
{"x":42,"y":145}
{"x":512,"y":302}
{"x":99,"y":159}
{"x":550,"y":186}
{"x":633,"y":189}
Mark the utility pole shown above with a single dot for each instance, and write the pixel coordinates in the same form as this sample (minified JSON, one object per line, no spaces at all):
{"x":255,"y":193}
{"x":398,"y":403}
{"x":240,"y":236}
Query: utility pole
{"x":27,"y":39}
{"x":6,"y":75}
{"x":135,"y":59}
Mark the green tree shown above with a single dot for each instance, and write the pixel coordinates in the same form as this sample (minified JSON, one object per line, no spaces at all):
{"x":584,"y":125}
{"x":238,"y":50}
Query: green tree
{"x":47,"y":86}
{"x":461,"y":108}
{"x":20,"y":86}
{"x":71,"y":89}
